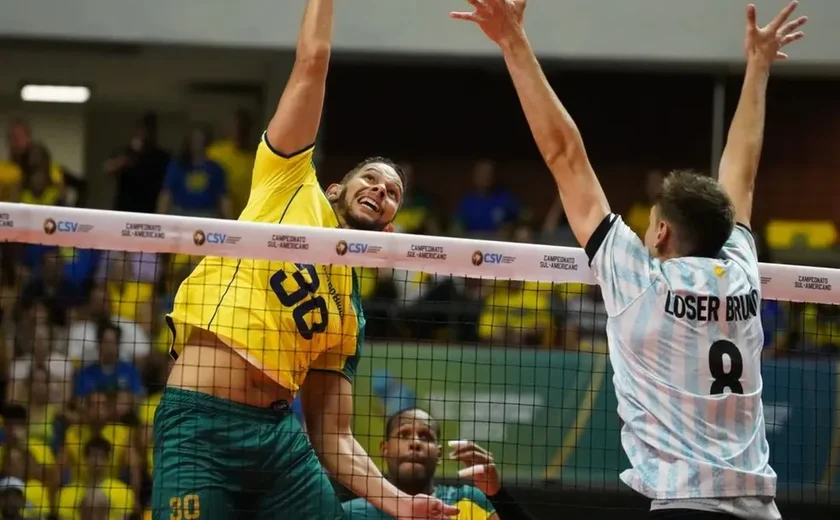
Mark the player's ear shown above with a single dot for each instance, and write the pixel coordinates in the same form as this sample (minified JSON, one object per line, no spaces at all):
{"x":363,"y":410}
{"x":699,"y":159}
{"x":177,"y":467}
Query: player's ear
{"x":383,"y":449}
{"x":333,"y":192}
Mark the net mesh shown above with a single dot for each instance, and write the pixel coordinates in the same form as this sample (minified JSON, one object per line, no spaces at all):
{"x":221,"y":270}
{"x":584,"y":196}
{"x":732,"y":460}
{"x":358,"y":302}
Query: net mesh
{"x":518,"y":367}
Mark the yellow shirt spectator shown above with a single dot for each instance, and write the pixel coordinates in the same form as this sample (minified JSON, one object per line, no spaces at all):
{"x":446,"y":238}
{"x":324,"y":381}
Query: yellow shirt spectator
{"x":119,"y":496}
{"x":238,"y":165}
{"x":77,"y":437}
{"x":10,"y":178}
{"x":520,"y":307}
{"x":638,"y":218}
{"x":38,"y":497}
{"x":126,"y":297}
{"x":40,"y":452}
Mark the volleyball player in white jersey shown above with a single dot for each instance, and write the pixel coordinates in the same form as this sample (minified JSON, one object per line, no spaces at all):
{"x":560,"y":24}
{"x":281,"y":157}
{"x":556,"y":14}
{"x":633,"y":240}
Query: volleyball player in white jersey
{"x":684,"y":325}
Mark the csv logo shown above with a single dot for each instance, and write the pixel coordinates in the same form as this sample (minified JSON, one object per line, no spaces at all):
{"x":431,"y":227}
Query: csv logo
{"x":360,"y":248}
{"x":68,"y":226}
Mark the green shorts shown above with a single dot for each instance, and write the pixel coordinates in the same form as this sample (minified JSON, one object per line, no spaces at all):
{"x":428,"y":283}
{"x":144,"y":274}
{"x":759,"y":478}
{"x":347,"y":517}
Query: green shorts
{"x":217,"y":460}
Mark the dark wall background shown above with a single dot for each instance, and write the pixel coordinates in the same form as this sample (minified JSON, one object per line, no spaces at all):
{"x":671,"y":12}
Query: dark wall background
{"x":442,"y":118}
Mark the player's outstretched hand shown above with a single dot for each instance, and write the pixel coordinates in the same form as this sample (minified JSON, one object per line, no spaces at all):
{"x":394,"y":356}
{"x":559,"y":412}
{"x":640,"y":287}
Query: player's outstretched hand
{"x":480,"y":466}
{"x":423,"y":507}
{"x":500,"y":20}
{"x":766,"y":43}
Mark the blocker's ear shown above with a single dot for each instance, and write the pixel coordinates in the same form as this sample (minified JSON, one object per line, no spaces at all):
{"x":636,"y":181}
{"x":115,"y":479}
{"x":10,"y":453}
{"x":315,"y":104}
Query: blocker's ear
{"x":333,"y":192}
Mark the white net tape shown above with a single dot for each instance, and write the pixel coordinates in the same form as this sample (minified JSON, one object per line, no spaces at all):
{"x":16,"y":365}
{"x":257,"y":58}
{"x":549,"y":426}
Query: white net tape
{"x":112,"y":230}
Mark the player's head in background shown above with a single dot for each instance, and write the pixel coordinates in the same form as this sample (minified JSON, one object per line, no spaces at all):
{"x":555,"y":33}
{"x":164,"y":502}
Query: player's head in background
{"x":412,"y":450}
{"x":692,"y":217}
{"x":369,"y":196}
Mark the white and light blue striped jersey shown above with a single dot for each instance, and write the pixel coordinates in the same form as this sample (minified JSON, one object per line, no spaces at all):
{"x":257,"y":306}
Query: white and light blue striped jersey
{"x":685,"y":342}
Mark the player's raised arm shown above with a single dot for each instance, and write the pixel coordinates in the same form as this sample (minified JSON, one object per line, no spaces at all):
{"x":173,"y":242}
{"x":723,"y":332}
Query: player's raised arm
{"x":554,"y":130}
{"x":294,"y":126}
{"x":328,"y":409}
{"x":739,"y":163}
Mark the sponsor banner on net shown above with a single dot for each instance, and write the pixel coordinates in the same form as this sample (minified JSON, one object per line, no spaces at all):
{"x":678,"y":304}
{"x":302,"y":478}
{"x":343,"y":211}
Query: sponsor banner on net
{"x":140,"y":229}
{"x":480,"y":258}
{"x":6,"y":221}
{"x":553,"y":262}
{"x":294,"y":242}
{"x":52,"y":226}
{"x":812,"y":283}
{"x":213,"y":238}
{"x":421,"y":251}
{"x":343,"y":247}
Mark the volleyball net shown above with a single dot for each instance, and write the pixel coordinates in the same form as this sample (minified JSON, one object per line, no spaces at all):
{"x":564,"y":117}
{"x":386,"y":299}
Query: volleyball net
{"x":503,"y":343}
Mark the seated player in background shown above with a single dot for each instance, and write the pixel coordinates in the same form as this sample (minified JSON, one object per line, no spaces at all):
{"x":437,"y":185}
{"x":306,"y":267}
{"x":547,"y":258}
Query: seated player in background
{"x":684,"y":327}
{"x":412,"y":452}
{"x":251,"y":334}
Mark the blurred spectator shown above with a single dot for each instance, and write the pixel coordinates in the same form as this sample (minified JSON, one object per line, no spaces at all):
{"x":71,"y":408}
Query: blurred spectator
{"x":39,"y":355}
{"x":51,"y":288}
{"x":42,"y":408}
{"x":236,"y":156}
{"x":139,"y":169}
{"x":417,"y":214}
{"x":127,"y":265}
{"x":98,"y":489}
{"x":27,"y":459}
{"x":13,"y":502}
{"x":489,"y":207}
{"x":195,"y":186}
{"x":11,"y":178}
{"x":109,"y":374}
{"x":95,"y":505}
{"x":83,"y":336}
{"x":99,"y":420}
{"x":585,"y":319}
{"x":21,"y":144}
{"x":38,"y":187}
{"x":555,"y":229}
{"x":638,"y":217}
{"x":518,"y":313}
{"x":126,"y":278}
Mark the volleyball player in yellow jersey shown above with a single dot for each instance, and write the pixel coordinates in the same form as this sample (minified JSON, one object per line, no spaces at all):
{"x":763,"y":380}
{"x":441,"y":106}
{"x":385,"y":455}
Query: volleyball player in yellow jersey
{"x":251,"y":334}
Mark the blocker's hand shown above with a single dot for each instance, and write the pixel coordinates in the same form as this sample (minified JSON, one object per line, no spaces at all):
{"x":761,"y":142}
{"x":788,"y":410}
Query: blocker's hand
{"x":500,"y":20}
{"x":423,"y":507}
{"x":765,"y":43}
{"x":480,"y":466}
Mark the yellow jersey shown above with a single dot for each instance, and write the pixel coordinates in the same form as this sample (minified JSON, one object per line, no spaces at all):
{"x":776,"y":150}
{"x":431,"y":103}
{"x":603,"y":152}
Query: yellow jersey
{"x":284,"y":318}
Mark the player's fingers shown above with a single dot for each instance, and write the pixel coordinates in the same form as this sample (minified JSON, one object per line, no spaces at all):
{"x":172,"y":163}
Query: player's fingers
{"x":472,"y":457}
{"x":793,"y":25}
{"x":783,"y":16}
{"x":475,"y":472}
{"x":790,"y":38}
{"x":449,"y":511}
{"x":781,"y":56}
{"x":751,"y":18}
{"x":461,"y":15}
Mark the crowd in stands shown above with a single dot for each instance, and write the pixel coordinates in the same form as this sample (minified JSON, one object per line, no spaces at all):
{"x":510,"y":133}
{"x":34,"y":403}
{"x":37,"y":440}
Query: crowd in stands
{"x":84,"y":346}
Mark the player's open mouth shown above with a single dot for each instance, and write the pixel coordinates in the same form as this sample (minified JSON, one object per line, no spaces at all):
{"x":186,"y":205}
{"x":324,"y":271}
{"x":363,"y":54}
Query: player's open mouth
{"x":369,"y":203}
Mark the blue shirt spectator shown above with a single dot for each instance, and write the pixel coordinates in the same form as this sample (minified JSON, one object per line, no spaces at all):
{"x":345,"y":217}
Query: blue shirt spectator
{"x":109,"y":374}
{"x":488,"y":207}
{"x":195,"y":185}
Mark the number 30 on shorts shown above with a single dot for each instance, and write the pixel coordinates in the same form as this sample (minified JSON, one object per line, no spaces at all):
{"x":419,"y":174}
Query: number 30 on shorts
{"x":186,"y":508}
{"x":303,"y":300}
